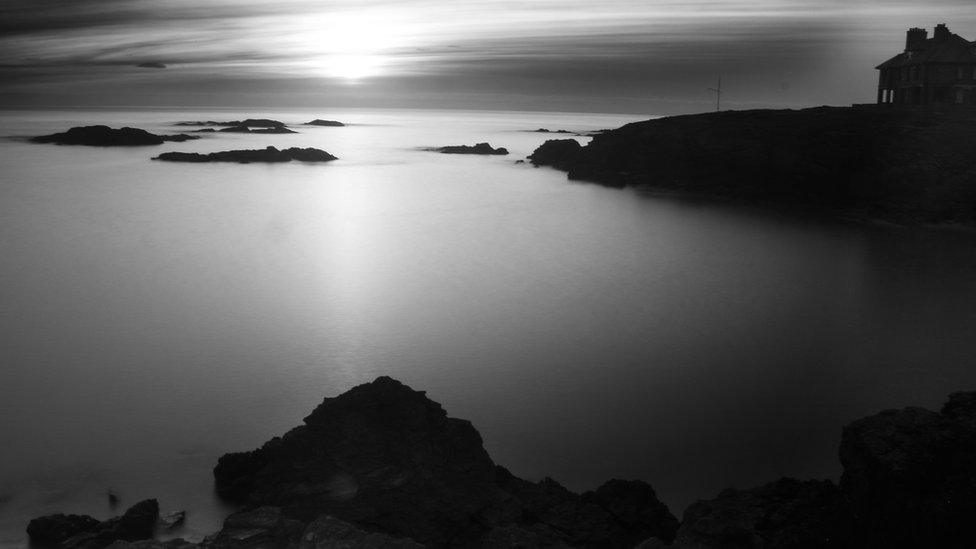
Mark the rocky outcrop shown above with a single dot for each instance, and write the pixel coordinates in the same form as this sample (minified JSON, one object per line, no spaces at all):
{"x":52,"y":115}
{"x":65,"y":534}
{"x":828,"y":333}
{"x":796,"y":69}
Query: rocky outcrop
{"x":104,"y":136}
{"x":384,"y":466}
{"x":246,"y":156}
{"x":245,"y":129}
{"x":910,"y":165}
{"x":480,"y":148}
{"x":84,"y":532}
{"x":389,"y":460}
{"x":547,"y":130}
{"x":54,"y":529}
{"x":784,"y":514}
{"x":559,"y":153}
{"x":249,"y":122}
{"x":910,"y":476}
{"x":320,"y":122}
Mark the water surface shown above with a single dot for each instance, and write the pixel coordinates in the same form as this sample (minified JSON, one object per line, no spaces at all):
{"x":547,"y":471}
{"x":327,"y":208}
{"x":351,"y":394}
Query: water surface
{"x":156,"y":315}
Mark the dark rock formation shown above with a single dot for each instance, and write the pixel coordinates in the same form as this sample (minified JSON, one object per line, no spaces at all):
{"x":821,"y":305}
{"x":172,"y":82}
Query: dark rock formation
{"x":84,"y":532}
{"x":910,"y":476}
{"x":480,"y":148}
{"x":901,"y":164}
{"x":250,"y":122}
{"x":383,"y":466}
{"x":387,"y":459}
{"x":151,"y":65}
{"x":104,"y":136}
{"x":53,"y":529}
{"x":245,"y":129}
{"x":784,"y":514}
{"x":205,"y":130}
{"x":558,"y":153}
{"x":320,"y":122}
{"x":547,"y":130}
{"x":269,"y":154}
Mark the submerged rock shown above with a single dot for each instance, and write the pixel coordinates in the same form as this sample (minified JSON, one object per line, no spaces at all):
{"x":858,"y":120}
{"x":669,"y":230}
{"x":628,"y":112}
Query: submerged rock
{"x":245,"y":156}
{"x":320,"y":122}
{"x":172,"y":520}
{"x":480,"y":148}
{"x":104,"y":136}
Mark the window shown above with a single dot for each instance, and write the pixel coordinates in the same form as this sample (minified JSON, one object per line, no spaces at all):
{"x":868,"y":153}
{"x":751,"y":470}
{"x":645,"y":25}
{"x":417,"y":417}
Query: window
{"x":959,"y":96}
{"x":959,"y":73}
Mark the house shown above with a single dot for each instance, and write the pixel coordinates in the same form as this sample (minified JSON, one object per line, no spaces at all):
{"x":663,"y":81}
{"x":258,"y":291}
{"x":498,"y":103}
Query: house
{"x":937,"y":70}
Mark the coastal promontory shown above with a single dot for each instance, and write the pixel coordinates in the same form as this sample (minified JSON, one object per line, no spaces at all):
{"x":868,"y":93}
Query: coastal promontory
{"x":903,"y":164}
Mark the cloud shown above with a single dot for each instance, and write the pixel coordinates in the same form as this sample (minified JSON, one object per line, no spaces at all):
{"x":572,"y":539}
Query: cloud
{"x":818,"y":50}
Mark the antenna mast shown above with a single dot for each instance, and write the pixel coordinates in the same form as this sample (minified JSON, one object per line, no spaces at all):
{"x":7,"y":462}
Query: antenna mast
{"x":718,"y":95}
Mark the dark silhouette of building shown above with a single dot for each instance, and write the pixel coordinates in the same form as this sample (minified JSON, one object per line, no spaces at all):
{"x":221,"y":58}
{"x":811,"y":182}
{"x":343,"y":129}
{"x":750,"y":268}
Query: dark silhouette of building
{"x":939,"y":70}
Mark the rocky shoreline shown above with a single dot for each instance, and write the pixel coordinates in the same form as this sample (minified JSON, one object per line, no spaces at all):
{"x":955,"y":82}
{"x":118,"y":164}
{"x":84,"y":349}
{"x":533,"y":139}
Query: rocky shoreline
{"x":905,"y":165}
{"x":384,"y":466}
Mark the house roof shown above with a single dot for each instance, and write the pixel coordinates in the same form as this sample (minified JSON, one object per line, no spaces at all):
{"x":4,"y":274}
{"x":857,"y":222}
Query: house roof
{"x":954,"y":49}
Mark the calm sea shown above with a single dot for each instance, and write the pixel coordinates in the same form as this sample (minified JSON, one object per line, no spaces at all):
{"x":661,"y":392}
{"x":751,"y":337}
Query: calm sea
{"x":156,"y":315}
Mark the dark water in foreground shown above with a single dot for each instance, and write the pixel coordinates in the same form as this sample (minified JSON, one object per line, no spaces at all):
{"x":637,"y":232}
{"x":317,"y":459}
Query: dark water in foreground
{"x":156,"y":315}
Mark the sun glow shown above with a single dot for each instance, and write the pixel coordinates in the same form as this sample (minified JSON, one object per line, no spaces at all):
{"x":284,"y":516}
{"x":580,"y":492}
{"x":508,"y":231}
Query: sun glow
{"x":351,"y":45}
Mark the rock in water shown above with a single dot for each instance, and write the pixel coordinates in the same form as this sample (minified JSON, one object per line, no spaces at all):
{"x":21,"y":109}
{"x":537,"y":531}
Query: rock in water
{"x":54,"y":529}
{"x":269,"y":154}
{"x":558,"y":153}
{"x":389,"y":460}
{"x":320,"y":122}
{"x":104,"y":136}
{"x":84,"y":532}
{"x":480,"y":148}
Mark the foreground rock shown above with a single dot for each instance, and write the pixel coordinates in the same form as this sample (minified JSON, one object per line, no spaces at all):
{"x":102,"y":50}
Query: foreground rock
{"x":320,"y":122}
{"x":784,"y":514}
{"x":480,"y":148}
{"x":384,"y":466}
{"x":104,"y":136}
{"x":246,"y":156}
{"x":84,"y":532}
{"x":908,"y":165}
{"x":387,"y":459}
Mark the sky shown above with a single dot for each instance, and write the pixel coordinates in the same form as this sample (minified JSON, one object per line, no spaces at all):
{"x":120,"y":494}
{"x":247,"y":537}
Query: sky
{"x":626,"y":56}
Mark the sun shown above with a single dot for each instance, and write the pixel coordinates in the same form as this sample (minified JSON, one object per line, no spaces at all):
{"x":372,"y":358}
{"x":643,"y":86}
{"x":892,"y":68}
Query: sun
{"x":351,"y":45}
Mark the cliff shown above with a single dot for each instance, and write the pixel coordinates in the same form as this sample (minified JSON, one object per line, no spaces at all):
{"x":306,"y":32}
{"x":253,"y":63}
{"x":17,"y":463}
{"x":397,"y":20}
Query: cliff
{"x":908,"y":165}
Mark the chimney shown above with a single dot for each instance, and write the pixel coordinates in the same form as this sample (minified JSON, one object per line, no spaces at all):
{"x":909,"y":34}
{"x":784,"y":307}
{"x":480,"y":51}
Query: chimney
{"x":941,"y":32}
{"x":916,"y":37}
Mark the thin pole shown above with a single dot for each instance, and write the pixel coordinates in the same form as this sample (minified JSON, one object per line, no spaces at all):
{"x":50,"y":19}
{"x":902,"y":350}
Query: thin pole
{"x":718,"y":95}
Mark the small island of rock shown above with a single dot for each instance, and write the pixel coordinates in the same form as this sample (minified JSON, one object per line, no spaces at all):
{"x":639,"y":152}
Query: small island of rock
{"x":320,"y":122}
{"x":480,"y":148}
{"x":246,"y":156}
{"x":104,"y":136}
